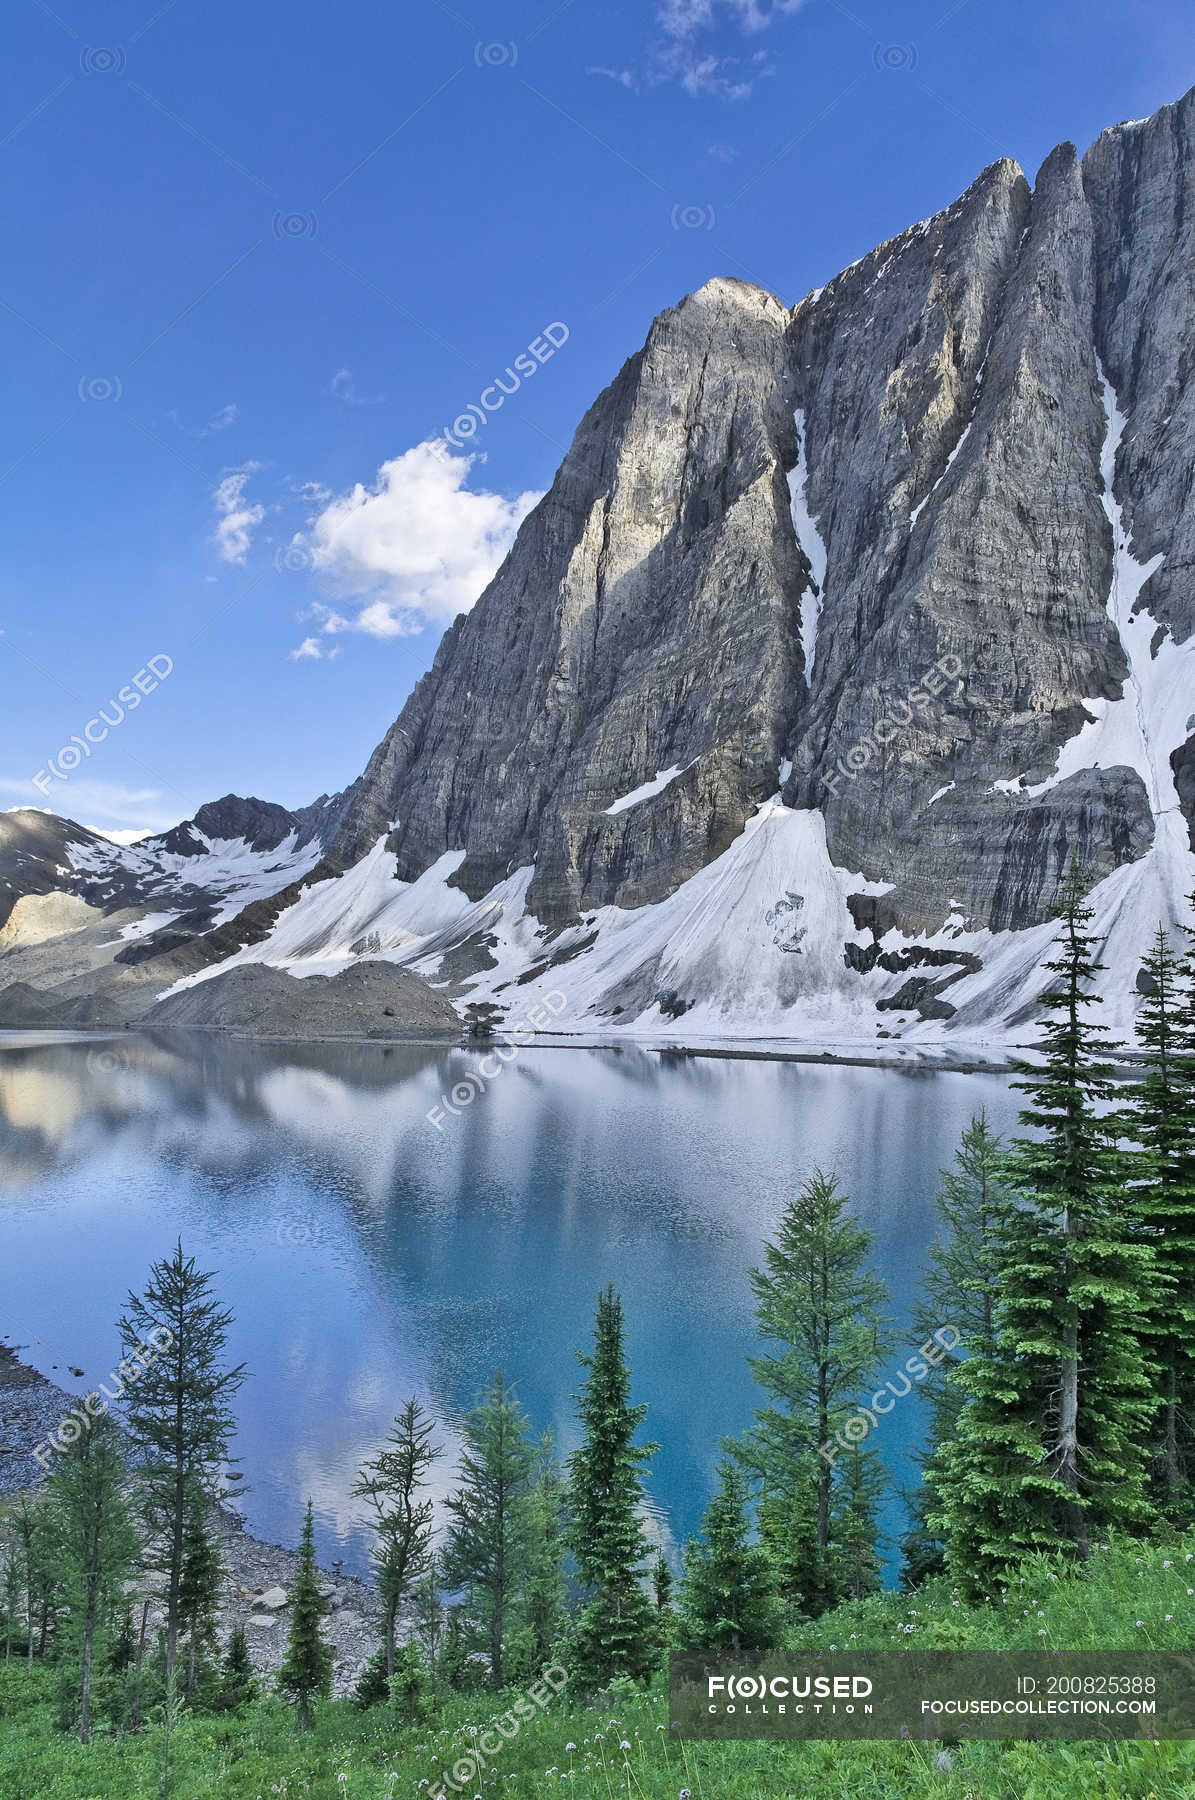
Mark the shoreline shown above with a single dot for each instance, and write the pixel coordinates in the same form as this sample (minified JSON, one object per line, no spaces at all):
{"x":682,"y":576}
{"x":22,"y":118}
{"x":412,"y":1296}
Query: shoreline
{"x":970,"y":1059}
{"x":919,"y":1057}
{"x":258,"y":1574}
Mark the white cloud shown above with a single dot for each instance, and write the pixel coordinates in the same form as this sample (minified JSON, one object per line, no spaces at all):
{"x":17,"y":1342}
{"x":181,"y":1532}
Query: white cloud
{"x":686,"y":18}
{"x":219,"y":421}
{"x":683,"y":54}
{"x":104,"y":806}
{"x":343,"y":387}
{"x":311,"y":649}
{"x":238,"y":517}
{"x":419,"y":547}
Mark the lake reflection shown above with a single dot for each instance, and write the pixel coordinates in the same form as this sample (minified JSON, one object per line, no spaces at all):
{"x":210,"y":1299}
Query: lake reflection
{"x":368,"y":1256}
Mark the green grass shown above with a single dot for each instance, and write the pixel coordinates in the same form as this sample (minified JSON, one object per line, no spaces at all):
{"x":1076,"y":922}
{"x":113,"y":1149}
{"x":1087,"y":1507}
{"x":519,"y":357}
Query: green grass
{"x":1135,"y":1596}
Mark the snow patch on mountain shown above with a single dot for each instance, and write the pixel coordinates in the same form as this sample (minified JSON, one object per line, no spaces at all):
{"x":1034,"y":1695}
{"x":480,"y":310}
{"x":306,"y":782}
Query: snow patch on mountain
{"x":1139,"y":730}
{"x":752,"y":950}
{"x":811,"y":542}
{"x":646,"y":789}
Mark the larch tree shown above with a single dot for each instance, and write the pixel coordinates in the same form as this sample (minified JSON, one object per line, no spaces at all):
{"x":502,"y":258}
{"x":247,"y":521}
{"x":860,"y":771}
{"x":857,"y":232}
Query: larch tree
{"x":542,"y":1601}
{"x":178,"y":1409}
{"x":87,"y":1492}
{"x":487,"y":1549}
{"x":820,"y":1307}
{"x":199,"y":1590}
{"x":403,"y":1521}
{"x":856,"y":1536}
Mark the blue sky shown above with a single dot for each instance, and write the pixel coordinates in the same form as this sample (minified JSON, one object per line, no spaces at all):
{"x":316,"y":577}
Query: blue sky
{"x":259,"y":258}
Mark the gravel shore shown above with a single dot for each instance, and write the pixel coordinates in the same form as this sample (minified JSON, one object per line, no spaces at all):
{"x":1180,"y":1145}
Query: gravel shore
{"x":258,"y":1577}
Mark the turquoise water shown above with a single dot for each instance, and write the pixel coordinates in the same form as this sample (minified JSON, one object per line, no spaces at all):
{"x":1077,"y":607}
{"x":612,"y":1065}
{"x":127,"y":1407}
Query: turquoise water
{"x":369,"y":1255}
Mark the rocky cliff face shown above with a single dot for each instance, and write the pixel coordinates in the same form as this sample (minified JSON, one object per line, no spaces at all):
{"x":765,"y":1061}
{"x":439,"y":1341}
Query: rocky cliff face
{"x":648,"y":617}
{"x":840,"y":628}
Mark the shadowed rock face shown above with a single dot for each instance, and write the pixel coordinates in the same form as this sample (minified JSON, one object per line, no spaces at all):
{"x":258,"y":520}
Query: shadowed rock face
{"x":945,"y":398}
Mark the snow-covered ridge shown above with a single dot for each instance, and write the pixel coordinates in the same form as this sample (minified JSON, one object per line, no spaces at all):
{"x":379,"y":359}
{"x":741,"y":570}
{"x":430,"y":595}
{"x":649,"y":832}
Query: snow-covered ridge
{"x":228,"y":870}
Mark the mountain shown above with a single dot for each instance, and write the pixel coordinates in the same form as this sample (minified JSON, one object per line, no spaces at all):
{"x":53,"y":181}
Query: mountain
{"x":840,"y":628}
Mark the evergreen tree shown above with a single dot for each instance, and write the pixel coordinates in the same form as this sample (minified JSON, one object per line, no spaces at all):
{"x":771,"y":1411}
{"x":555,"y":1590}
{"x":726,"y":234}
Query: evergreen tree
{"x":373,"y":1683}
{"x":11,"y":1588}
{"x":199,"y":1590}
{"x":403,"y":1524}
{"x":1160,"y":1118}
{"x":1051,"y":1437}
{"x":179,"y":1408}
{"x":661,"y":1586}
{"x":454,"y":1654}
{"x":489,"y":1535}
{"x":820,"y":1305}
{"x":123,"y":1647}
{"x":135,"y":1704}
{"x":98,"y":1548}
{"x":960,"y":1290}
{"x":35,"y":1533}
{"x":614,"y":1633}
{"x":729,"y":1603}
{"x":170,"y":1713}
{"x":238,"y":1683}
{"x":409,"y":1689}
{"x":855,"y":1538}
{"x":306,"y":1672}
{"x":542,"y":1601}
{"x":427,"y":1615}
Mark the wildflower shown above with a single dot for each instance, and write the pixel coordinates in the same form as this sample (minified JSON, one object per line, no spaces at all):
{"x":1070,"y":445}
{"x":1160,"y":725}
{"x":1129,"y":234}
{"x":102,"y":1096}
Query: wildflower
{"x":943,"y":1763}
{"x":624,"y":1745}
{"x":569,"y":1747}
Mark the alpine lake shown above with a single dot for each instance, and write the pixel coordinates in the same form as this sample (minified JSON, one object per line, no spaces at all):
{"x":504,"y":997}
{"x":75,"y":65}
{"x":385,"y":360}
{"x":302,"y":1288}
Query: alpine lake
{"x":369,"y":1252}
